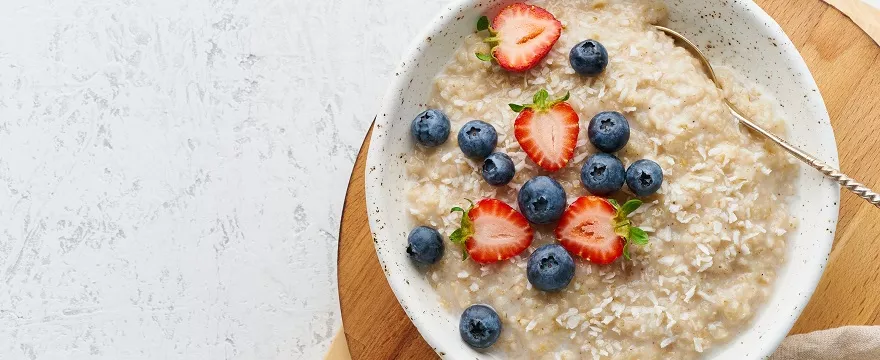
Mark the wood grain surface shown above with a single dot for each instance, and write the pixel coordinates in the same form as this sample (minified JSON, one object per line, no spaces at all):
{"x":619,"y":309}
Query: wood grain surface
{"x":375,"y":325}
{"x":865,"y":16}
{"x":845,"y":63}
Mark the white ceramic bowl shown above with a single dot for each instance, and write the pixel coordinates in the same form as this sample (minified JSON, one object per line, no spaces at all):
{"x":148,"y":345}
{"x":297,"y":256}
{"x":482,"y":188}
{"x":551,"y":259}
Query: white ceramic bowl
{"x":766,"y":56}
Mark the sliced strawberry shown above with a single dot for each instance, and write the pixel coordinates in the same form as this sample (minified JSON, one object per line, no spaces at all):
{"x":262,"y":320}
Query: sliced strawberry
{"x":492,"y":231}
{"x":547,"y":130}
{"x":521,"y":35}
{"x":599,"y":230}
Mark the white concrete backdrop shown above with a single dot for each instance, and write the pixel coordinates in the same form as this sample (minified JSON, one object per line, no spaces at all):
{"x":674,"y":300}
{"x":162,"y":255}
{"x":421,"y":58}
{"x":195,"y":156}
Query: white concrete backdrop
{"x":172,"y":172}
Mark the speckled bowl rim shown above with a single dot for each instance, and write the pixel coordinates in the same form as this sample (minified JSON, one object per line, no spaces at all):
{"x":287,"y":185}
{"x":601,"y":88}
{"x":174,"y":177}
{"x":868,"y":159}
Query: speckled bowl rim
{"x":377,"y":160}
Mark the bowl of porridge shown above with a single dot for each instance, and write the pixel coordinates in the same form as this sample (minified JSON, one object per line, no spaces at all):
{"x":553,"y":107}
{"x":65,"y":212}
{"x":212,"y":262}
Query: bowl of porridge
{"x":732,"y":237}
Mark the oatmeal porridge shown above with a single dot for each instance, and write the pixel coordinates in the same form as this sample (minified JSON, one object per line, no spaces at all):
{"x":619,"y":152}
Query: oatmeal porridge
{"x":718,"y":225}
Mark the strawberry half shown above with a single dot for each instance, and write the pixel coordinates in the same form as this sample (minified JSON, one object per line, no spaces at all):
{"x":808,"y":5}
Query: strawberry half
{"x":492,"y":231}
{"x":547,"y":130}
{"x":599,"y":230}
{"x":521,"y":35}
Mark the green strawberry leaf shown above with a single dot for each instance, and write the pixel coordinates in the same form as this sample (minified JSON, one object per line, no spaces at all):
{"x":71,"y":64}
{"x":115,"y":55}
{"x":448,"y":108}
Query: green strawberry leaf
{"x":493,"y":40}
{"x":466,"y":229}
{"x":540,"y":101}
{"x":564,"y":98}
{"x":624,"y":228}
{"x":456,"y":236}
{"x":483,"y":23}
{"x":540,"y":98}
{"x":630,"y":206}
{"x":614,"y":203}
{"x":637,"y":236}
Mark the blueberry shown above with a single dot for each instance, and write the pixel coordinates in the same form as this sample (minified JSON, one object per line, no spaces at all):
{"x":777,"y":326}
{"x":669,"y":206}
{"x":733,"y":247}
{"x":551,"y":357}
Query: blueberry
{"x":477,"y":139}
{"x":430,"y":128}
{"x":608,"y":131}
{"x":588,"y":58}
{"x":602,"y":174}
{"x":498,"y":169}
{"x":479,"y":326}
{"x":644,"y":177}
{"x":550,"y":268}
{"x":541,"y":200}
{"x":425,"y":245}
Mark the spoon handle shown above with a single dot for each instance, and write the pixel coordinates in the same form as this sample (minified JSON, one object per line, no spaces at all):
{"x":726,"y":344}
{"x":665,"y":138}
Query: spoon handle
{"x":856,"y":187}
{"x":849,"y":183}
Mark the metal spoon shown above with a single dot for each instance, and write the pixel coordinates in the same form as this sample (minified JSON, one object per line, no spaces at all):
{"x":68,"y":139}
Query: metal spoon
{"x":859,"y":189}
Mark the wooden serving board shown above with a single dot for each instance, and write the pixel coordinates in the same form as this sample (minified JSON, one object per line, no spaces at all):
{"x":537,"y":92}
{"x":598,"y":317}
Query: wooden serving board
{"x":846,"y":65}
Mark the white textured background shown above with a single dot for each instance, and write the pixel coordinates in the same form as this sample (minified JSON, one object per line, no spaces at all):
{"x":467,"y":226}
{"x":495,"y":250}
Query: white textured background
{"x":172,"y":172}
